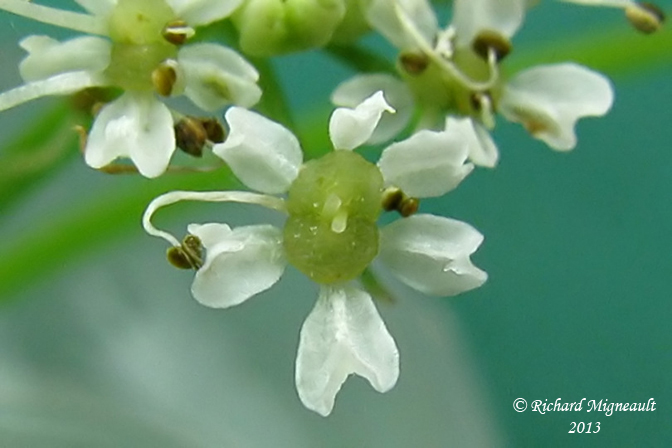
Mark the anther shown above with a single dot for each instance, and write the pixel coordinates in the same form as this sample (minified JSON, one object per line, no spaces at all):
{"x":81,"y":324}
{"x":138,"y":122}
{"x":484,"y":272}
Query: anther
{"x":408,"y":207}
{"x":164,"y":77}
{"x":395,"y":199}
{"x":213,"y":129}
{"x":188,"y":255}
{"x":487,"y":41}
{"x":190,"y":136}
{"x":392,"y":197}
{"x":413,"y":63}
{"x":177,"y":32}
{"x":645,"y":17}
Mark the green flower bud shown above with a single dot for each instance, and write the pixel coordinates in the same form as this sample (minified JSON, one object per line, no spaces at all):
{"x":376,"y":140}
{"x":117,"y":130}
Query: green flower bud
{"x":271,"y":27}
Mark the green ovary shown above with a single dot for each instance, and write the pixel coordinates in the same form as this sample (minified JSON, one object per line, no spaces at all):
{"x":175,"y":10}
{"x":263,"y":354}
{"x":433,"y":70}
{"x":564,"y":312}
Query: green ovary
{"x":138,"y":46}
{"x":331,"y":233}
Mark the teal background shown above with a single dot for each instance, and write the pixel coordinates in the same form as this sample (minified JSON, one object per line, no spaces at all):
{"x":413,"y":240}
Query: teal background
{"x":109,"y":349}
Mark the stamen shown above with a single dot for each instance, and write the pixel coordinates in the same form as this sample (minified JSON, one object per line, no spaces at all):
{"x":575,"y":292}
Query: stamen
{"x":444,"y":63}
{"x":177,"y":32}
{"x":413,"y":63}
{"x":85,"y":23}
{"x":395,"y":199}
{"x":645,"y":17}
{"x":205,"y":196}
{"x":487,"y":41}
{"x":164,"y":77}
{"x":190,"y":136}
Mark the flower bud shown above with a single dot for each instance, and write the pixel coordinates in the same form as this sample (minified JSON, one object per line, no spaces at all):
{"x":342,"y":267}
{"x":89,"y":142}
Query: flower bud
{"x":271,"y":27}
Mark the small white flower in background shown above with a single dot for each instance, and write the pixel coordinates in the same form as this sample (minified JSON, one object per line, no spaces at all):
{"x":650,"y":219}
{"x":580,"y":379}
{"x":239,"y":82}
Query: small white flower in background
{"x":455,"y":72}
{"x":331,"y":235}
{"x":141,"y":53}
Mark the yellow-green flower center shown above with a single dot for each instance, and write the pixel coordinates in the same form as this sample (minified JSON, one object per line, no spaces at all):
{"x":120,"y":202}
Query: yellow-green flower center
{"x":331,"y":233}
{"x":138,"y":46}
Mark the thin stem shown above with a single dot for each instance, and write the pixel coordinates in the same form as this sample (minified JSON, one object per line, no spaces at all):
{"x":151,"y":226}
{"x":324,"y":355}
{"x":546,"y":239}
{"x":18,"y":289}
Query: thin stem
{"x":206,"y":196}
{"x":360,"y":59}
{"x":274,"y":103}
{"x":85,"y":23}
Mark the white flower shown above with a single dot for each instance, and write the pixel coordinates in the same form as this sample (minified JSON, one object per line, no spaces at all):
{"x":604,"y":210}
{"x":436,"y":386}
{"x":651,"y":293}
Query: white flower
{"x":141,"y":53}
{"x":455,"y":72}
{"x":331,"y":235}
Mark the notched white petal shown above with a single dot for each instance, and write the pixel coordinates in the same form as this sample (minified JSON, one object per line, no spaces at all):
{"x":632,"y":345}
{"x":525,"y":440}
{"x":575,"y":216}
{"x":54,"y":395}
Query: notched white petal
{"x":549,"y":99}
{"x":135,"y":125}
{"x":355,"y":90}
{"x":48,"y":57}
{"x":215,"y":76}
{"x":394,"y":22}
{"x":427,"y":164}
{"x":203,"y":12}
{"x":431,"y":254}
{"x":343,"y":334}
{"x":481,"y":148}
{"x":352,"y":127}
{"x":239,"y":263}
{"x":262,"y":154}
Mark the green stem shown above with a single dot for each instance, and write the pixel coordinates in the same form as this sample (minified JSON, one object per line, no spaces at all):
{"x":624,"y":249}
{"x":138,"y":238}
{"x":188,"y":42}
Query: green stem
{"x":360,"y":59}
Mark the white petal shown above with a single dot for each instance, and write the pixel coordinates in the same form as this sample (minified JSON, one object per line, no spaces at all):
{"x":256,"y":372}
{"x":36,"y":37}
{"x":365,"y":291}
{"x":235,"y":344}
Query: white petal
{"x":384,"y":17}
{"x":262,"y":154}
{"x":135,"y":125}
{"x":203,"y":12}
{"x":355,"y":90}
{"x":343,"y":334}
{"x":470,"y":17}
{"x":97,"y":7}
{"x":239,"y":263}
{"x":216,"y":76}
{"x":482,"y":149}
{"x":48,"y":57}
{"x":431,"y":254}
{"x":63,"y":84}
{"x":426,"y":164}
{"x":549,"y":99}
{"x":352,"y":127}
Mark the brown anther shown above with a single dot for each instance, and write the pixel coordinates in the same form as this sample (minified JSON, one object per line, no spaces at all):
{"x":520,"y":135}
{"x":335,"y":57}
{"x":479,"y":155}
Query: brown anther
{"x":392,"y":197}
{"x":177,"y":32}
{"x":645,"y":17}
{"x":487,"y":41}
{"x":190,"y":136}
{"x":395,"y":199}
{"x":408,"y":207}
{"x":214,"y":129}
{"x":163,"y":78}
{"x":177,"y":258}
{"x":188,"y":255}
{"x":413,"y":63}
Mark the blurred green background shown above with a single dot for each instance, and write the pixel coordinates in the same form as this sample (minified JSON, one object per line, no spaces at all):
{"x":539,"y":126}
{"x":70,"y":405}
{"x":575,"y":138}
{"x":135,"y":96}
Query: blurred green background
{"x":101,"y":344}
